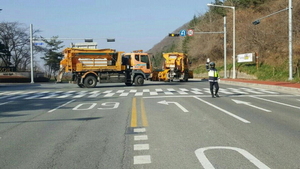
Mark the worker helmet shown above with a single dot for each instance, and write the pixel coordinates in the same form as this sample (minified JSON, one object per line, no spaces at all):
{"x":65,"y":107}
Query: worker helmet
{"x":212,"y":64}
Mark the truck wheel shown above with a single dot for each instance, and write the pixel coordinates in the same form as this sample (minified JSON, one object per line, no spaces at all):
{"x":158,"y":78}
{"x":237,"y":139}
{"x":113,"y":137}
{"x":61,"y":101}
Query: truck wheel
{"x":81,"y":85}
{"x":139,"y":80}
{"x":78,"y":83}
{"x":90,"y":82}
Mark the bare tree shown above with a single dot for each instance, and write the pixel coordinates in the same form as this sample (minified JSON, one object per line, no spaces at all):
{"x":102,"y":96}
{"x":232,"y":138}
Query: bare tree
{"x":15,"y":36}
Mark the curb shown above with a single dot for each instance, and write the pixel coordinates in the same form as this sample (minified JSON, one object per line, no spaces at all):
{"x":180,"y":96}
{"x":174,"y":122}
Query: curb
{"x":290,"y":90}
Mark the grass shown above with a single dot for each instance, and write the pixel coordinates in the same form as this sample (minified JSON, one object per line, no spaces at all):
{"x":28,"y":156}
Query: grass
{"x":262,"y":72}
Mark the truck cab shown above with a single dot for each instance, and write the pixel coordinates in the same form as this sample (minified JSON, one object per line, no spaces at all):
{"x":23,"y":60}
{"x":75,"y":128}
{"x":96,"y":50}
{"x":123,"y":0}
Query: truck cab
{"x":140,"y":64}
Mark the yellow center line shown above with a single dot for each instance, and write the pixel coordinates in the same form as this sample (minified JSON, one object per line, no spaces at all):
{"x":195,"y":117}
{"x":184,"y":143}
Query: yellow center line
{"x":144,"y":117}
{"x":133,"y":114}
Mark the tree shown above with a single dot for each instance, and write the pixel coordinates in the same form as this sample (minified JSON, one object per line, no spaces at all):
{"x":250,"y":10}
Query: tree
{"x":52,"y":56}
{"x":15,"y":37}
{"x":5,"y":55}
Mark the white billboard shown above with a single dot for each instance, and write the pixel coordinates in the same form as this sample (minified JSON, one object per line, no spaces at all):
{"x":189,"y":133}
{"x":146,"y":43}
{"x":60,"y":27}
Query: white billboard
{"x":246,"y":57}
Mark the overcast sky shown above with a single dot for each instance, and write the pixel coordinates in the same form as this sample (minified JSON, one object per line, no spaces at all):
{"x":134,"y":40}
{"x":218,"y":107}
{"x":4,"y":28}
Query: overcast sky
{"x":135,"y":24}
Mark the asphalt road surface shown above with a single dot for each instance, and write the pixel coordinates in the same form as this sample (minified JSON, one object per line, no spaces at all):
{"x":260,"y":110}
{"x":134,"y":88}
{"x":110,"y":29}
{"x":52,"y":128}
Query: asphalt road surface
{"x":159,"y":125}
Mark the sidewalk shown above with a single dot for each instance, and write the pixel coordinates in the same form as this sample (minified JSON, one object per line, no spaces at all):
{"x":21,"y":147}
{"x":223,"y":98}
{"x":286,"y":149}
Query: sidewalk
{"x":286,"y":87}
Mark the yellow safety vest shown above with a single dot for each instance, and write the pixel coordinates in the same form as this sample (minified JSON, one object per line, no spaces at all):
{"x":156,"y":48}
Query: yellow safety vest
{"x":213,"y":73}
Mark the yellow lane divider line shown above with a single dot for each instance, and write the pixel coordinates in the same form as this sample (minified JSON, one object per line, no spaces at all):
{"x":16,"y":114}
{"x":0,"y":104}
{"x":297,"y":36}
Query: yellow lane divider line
{"x":144,"y":117}
{"x":133,"y":114}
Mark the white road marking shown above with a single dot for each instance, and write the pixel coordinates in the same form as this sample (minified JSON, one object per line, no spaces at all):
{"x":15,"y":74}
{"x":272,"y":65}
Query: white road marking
{"x":251,"y":91}
{"x":109,"y":94}
{"x":140,"y":137}
{"x":225,"y":91}
{"x":177,"y":104}
{"x":139,"y":130}
{"x":120,"y":91}
{"x":169,"y":93}
{"x":37,"y":95}
{"x":196,"y":92}
{"x":266,"y":91}
{"x":124,"y":94}
{"x":94,"y":95}
{"x":94,"y":92}
{"x":79,"y":96}
{"x":140,"y":147}
{"x":225,"y":111}
{"x":276,"y":102}
{"x":5,"y":103}
{"x":138,"y":94}
{"x":64,"y":96}
{"x":153,"y":93}
{"x":144,"y":159}
{"x":207,"y":165}
{"x":249,"y":104}
{"x":108,"y":91}
{"x":159,"y":90}
{"x":182,"y":92}
{"x":49,"y":96}
{"x":60,"y":106}
{"x":237,"y":91}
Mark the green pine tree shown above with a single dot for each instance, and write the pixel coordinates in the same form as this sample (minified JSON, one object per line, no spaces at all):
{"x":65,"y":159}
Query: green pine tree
{"x":53,"y":55}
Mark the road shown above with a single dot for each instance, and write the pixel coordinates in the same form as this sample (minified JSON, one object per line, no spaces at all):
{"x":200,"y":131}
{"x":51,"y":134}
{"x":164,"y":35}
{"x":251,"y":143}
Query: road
{"x":158,"y":125}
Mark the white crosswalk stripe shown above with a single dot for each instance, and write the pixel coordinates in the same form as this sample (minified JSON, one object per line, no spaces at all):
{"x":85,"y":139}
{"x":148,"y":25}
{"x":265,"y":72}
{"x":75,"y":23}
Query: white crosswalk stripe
{"x":182,"y":92}
{"x":133,"y":92}
{"x":109,"y":94}
{"x":237,"y":91}
{"x":196,"y":92}
{"x":124,"y":94}
{"x":251,"y":91}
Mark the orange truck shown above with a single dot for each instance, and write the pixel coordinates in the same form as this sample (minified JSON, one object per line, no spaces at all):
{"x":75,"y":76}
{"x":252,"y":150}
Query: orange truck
{"x":175,"y":67}
{"x":92,"y":66}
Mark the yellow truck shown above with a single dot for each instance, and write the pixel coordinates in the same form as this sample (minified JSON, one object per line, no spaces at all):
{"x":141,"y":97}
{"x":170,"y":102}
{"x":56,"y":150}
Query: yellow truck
{"x":175,"y":67}
{"x":92,"y":66}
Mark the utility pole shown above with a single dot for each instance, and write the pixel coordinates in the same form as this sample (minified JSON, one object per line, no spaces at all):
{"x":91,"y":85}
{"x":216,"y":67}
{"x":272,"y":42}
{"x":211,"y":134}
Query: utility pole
{"x":31,"y":53}
{"x":290,"y":9}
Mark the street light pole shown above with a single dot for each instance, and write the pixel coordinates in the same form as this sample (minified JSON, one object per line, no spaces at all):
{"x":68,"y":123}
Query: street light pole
{"x":233,"y":38}
{"x":256,"y":22}
{"x":31,"y":53}
{"x":233,"y":50}
{"x":225,"y":52}
{"x":290,"y":41}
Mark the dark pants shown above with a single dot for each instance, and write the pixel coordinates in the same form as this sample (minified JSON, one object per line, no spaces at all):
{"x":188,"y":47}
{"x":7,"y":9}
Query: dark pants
{"x":211,"y":85}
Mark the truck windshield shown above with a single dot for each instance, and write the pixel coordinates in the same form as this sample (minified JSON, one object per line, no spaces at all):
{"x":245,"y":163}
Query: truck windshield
{"x":145,"y":59}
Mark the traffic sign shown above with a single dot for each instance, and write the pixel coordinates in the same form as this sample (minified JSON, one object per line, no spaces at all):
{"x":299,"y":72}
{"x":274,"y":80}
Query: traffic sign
{"x":173,"y":34}
{"x":190,"y":32}
{"x":182,"y":33}
{"x":38,"y":43}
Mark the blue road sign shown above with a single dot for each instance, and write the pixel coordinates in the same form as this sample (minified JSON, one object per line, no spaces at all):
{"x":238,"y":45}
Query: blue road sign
{"x":182,"y":32}
{"x":38,"y":43}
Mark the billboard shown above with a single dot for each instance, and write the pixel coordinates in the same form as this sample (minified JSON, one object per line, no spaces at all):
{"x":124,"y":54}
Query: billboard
{"x":246,"y":57}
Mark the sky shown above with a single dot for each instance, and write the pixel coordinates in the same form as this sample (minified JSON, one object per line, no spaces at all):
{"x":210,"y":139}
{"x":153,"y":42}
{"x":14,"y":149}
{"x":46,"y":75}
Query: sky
{"x":134,"y":24}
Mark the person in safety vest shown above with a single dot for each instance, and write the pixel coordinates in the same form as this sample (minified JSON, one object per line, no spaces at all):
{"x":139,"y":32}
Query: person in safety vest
{"x":213,"y":78}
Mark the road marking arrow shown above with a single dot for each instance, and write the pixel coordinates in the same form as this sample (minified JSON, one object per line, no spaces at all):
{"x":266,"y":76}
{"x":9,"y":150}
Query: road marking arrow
{"x":249,"y":104}
{"x":177,"y":104}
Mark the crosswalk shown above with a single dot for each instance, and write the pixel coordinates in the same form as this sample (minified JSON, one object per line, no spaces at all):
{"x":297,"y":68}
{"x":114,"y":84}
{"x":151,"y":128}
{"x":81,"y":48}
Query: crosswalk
{"x":28,"y":95}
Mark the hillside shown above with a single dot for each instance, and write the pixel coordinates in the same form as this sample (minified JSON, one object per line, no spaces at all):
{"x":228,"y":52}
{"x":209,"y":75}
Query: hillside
{"x":269,"y":39}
